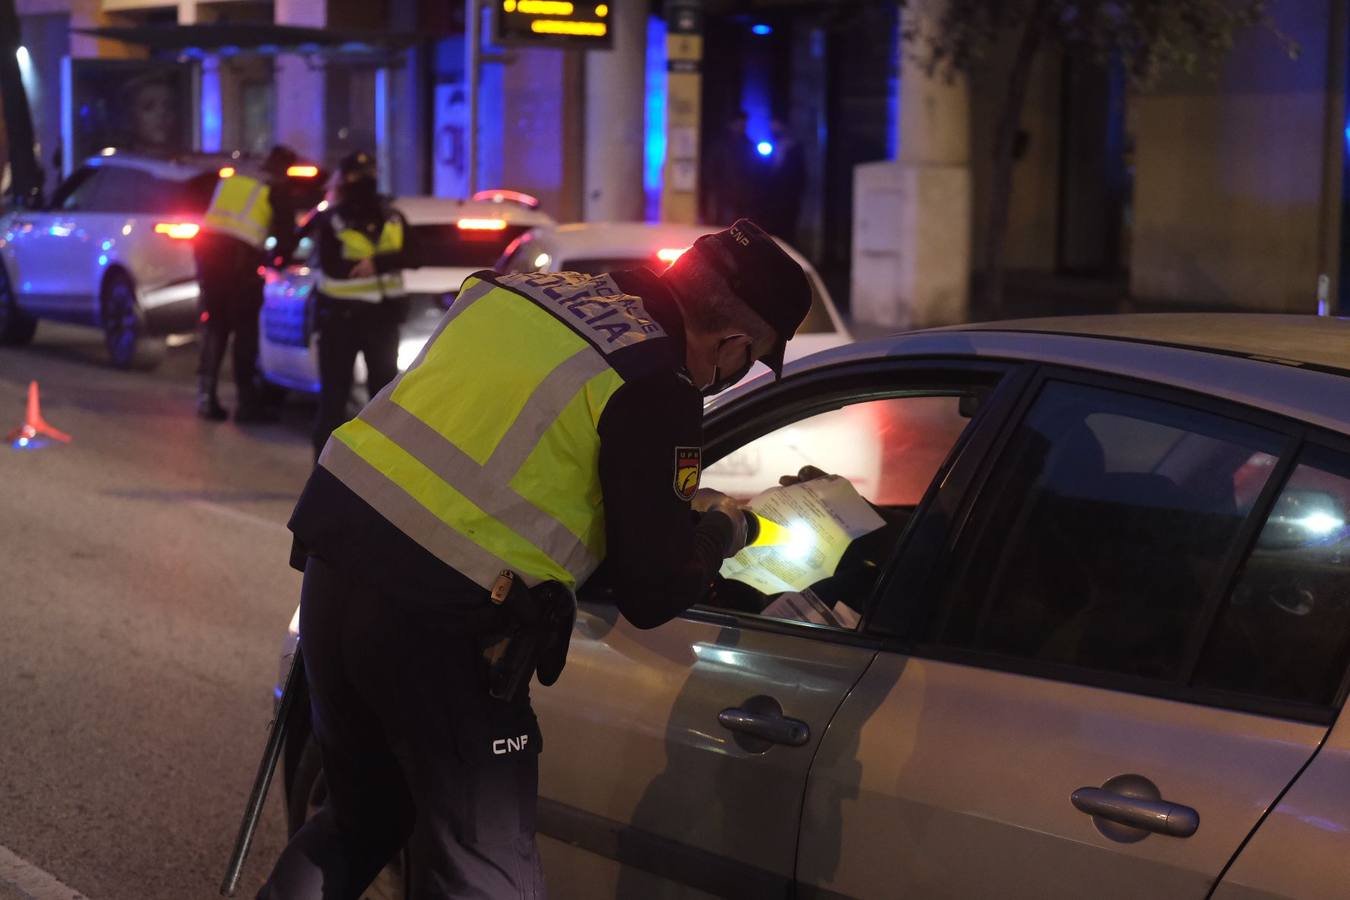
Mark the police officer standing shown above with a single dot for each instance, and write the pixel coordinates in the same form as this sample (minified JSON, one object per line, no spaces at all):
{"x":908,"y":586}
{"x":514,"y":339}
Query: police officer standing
{"x":361,"y":301}
{"x":245,"y":210}
{"x":553,"y":423}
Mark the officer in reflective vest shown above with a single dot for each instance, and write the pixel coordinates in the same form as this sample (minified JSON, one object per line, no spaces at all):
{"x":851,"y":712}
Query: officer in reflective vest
{"x":361,"y":301}
{"x":551,"y":427}
{"x":245,"y":211}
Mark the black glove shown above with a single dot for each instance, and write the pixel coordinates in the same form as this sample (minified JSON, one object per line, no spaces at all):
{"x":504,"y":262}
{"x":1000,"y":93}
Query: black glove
{"x":806,"y":473}
{"x":707,"y":501}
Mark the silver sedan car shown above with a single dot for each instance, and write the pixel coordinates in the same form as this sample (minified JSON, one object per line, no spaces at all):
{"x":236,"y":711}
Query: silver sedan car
{"x":1098,"y":648}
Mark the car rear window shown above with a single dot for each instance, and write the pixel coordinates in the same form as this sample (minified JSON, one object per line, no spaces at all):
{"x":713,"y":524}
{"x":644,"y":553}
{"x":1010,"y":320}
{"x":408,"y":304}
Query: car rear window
{"x":449,"y":246}
{"x":1102,"y":532}
{"x":1285,"y":631}
{"x":122,"y":189}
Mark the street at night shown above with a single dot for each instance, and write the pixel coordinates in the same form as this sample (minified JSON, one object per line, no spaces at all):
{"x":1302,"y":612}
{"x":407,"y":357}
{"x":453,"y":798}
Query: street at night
{"x":146,"y":598}
{"x":674,"y":449}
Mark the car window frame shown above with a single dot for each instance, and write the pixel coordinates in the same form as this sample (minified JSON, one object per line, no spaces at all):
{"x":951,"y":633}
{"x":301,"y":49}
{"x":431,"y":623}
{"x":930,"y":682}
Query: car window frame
{"x":86,"y":175}
{"x":797,"y":397}
{"x":923,"y":569}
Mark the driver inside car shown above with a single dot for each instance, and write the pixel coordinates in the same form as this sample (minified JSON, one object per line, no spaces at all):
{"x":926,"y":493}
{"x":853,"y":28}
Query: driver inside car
{"x":837,"y":601}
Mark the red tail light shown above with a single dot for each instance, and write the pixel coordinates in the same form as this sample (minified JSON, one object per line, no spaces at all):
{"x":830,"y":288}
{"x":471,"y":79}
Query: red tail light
{"x":668,"y":255}
{"x":481,"y":224}
{"x":179,"y":231}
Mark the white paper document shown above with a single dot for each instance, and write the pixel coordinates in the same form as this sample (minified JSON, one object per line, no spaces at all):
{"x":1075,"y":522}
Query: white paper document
{"x":818,"y":520}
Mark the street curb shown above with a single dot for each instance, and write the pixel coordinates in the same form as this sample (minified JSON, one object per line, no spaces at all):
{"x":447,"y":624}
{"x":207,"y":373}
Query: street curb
{"x":32,"y":883}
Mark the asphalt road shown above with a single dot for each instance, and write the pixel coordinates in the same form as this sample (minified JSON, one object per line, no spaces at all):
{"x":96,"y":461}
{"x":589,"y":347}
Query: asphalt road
{"x":144,"y":592}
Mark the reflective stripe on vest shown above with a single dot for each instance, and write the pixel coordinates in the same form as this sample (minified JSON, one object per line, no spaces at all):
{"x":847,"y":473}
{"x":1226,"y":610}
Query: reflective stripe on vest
{"x":486,"y":450}
{"x":356,"y":246}
{"x":242,"y":208}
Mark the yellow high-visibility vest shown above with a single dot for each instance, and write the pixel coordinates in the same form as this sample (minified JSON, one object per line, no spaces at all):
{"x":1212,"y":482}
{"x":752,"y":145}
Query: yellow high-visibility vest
{"x":356,"y":246}
{"x":486,"y":450}
{"x":242,"y":208}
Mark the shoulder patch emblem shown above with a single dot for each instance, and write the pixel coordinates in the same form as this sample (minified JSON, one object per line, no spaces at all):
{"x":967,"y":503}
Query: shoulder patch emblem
{"x":688,"y":468}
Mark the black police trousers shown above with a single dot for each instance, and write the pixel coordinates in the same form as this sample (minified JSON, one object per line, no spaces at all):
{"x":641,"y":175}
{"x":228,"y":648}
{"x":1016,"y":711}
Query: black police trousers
{"x":346,"y":328}
{"x":415,"y":752}
{"x":232,"y":297}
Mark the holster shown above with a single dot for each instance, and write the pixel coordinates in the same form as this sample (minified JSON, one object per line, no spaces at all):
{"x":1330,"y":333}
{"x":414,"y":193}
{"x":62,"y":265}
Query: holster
{"x":535,"y":637}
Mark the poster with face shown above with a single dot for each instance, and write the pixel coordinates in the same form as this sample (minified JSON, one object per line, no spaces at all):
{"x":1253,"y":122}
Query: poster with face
{"x":134,"y":106}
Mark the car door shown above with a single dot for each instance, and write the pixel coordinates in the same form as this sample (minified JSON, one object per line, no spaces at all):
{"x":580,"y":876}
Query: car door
{"x":675,"y":758}
{"x":42,"y":243}
{"x":1285,"y":634}
{"x":1062,"y":709}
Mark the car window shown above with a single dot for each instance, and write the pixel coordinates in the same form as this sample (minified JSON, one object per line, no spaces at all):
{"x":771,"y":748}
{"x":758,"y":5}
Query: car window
{"x":521,"y":256}
{"x":77,"y":192}
{"x":1285,"y":631}
{"x":890,"y":449}
{"x":127,"y":190}
{"x":449,"y":246}
{"x":1100,"y":535}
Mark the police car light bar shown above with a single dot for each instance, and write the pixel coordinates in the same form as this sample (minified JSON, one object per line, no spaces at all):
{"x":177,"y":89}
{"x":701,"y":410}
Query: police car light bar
{"x":302,"y":172}
{"x":668,"y":255}
{"x":178,"y":231}
{"x":508,"y":197}
{"x":481,"y":224}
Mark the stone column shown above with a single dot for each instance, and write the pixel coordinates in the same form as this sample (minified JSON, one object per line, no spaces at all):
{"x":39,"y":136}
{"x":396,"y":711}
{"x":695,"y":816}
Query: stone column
{"x":300,"y":97}
{"x":615,"y":109}
{"x":912,"y":215}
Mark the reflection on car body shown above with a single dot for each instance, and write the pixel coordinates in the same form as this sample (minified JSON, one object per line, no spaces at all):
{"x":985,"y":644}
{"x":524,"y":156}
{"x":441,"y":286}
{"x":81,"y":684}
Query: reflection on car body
{"x":1102,"y":558}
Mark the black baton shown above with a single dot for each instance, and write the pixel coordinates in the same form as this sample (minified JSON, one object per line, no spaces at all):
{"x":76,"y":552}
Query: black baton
{"x":276,"y":736}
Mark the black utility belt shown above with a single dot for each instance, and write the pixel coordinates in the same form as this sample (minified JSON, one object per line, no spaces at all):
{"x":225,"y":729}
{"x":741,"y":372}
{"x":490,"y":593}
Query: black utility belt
{"x":535,"y":632}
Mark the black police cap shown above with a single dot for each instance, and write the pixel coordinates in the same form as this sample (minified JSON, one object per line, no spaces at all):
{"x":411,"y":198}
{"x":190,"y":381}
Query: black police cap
{"x":764,"y":277}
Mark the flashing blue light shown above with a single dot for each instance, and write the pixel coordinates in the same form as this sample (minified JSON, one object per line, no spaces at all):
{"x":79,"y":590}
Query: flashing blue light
{"x":23,"y":442}
{"x":106,"y":245}
{"x":761,"y":29}
{"x":764,"y":148}
{"x":103,"y":259}
{"x":1347,"y":134}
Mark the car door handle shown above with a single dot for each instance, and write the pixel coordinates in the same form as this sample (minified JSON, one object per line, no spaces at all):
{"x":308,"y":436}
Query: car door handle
{"x":1134,"y":802}
{"x":757,"y":726}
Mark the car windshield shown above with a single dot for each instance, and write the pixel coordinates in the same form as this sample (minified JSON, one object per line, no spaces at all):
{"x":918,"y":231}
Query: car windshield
{"x":817,"y":319}
{"x":449,"y":246}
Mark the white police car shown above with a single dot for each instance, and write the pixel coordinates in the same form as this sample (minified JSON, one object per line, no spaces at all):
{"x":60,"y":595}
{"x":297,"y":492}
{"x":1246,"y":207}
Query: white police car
{"x":447,"y":241}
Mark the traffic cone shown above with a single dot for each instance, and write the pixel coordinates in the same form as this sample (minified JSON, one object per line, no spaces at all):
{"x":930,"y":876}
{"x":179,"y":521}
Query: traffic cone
{"x":33,"y":423}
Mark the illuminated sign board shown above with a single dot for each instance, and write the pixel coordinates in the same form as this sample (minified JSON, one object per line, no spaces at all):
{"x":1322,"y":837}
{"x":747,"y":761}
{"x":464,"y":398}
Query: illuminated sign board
{"x":553,"y":23}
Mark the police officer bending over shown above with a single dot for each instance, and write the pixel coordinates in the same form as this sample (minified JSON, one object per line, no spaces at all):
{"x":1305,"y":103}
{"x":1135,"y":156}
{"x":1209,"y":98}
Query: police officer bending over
{"x":245,"y":210}
{"x":553,"y":423}
{"x":361,"y":300}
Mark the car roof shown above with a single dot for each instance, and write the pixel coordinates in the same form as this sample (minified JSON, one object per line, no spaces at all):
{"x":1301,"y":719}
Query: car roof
{"x":1295,"y":366}
{"x":1305,"y":340}
{"x":182,"y":169}
{"x":443,"y":210}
